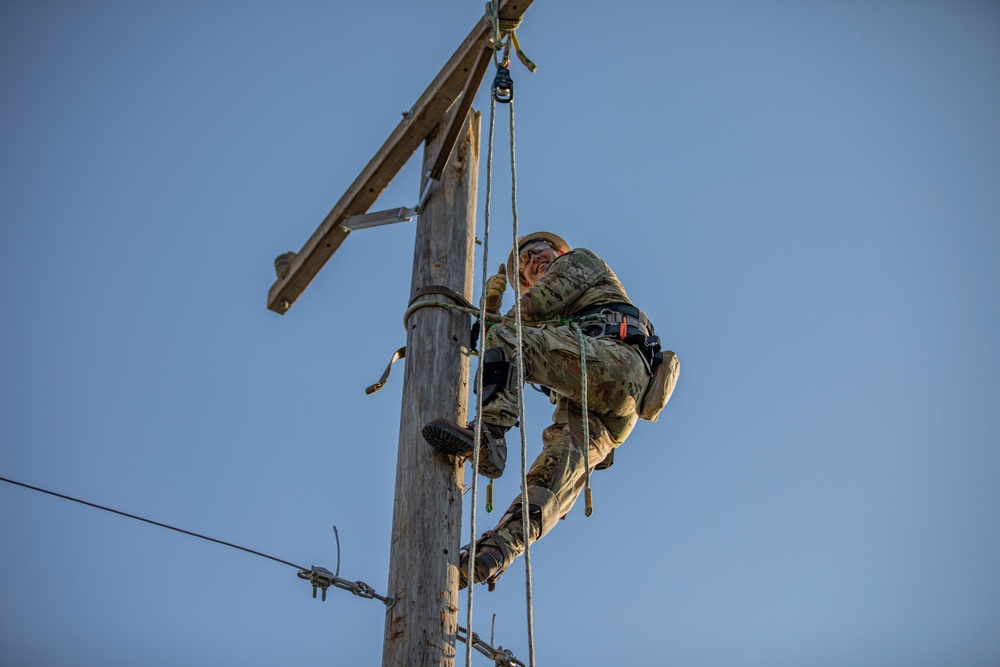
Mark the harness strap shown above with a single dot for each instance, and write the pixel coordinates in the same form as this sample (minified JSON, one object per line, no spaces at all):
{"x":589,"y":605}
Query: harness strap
{"x":613,"y":325}
{"x":396,"y":356}
{"x":440,"y":289}
{"x":417,"y":293}
{"x":624,"y":322}
{"x":634,"y":315}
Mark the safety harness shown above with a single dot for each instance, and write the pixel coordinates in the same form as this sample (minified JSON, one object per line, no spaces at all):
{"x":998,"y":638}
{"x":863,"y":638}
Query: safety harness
{"x":624,"y":322}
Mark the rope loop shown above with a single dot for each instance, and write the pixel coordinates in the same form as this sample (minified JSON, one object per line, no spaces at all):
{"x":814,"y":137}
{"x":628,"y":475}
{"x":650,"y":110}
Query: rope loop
{"x":491,"y":18}
{"x":505,"y":34}
{"x":505,"y":25}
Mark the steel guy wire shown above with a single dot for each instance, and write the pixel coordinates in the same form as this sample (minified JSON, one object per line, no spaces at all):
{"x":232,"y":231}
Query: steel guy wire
{"x":155,"y":523}
{"x":320,"y":577}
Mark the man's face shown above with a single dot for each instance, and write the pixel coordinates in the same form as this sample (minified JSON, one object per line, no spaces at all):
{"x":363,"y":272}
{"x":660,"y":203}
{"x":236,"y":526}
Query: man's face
{"x":534,"y":260}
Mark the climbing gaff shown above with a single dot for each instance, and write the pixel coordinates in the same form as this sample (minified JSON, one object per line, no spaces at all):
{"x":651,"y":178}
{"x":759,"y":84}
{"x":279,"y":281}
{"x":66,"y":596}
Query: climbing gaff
{"x":503,"y":85}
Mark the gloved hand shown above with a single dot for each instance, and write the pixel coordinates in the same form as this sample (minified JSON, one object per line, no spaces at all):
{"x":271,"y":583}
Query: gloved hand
{"x":495,"y":287}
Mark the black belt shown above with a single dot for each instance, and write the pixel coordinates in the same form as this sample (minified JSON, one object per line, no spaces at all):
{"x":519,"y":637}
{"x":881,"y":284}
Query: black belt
{"x":637,"y":324}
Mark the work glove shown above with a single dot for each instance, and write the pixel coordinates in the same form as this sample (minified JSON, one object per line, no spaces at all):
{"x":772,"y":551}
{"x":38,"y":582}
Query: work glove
{"x":495,"y":287}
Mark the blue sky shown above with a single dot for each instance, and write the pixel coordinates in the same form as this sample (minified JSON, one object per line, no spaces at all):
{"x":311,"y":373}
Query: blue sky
{"x":802,"y":195}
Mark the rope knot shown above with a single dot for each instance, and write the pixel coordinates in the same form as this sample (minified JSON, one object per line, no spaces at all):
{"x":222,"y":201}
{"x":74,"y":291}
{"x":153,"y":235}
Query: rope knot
{"x":501,"y":29}
{"x":505,"y":25}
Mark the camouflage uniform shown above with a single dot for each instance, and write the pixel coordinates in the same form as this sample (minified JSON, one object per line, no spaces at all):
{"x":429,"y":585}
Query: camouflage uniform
{"x":617,"y":375}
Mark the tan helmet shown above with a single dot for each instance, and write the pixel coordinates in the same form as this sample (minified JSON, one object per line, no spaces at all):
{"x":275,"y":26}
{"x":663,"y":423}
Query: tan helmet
{"x":553,"y":240}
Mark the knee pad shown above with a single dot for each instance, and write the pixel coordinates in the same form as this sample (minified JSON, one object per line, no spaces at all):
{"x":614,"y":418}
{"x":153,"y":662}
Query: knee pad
{"x":498,"y":373}
{"x":543,"y":511}
{"x":546,"y":502}
{"x":515,"y":514}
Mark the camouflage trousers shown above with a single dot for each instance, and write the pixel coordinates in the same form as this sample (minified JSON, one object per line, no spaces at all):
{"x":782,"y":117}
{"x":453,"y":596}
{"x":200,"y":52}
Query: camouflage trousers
{"x":616,"y":379}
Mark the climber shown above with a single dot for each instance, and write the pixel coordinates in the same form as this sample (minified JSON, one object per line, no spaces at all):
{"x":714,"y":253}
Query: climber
{"x":555,"y":282}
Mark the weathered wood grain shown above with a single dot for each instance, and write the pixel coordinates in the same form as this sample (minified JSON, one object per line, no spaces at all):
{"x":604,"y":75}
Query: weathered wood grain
{"x":427,"y":509}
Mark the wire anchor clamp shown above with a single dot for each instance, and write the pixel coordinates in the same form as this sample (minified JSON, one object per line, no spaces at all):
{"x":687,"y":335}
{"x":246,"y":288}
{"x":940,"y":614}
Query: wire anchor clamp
{"x":320,"y":578}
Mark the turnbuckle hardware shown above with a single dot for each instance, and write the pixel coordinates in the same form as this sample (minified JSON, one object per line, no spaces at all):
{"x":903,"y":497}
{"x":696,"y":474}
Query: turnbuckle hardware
{"x":321,"y":579}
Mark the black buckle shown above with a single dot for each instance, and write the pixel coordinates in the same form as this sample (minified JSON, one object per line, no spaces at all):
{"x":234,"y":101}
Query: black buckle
{"x":653,"y":351}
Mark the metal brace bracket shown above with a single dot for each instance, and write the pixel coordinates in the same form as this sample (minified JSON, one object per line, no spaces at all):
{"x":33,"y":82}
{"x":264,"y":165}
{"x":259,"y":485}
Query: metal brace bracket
{"x":392,"y":215}
{"x":378,"y":218}
{"x":500,"y":656}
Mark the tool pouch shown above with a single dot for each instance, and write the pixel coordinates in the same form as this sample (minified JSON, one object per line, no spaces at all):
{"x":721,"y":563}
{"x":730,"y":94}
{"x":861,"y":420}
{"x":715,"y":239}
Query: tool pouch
{"x":661,"y":385}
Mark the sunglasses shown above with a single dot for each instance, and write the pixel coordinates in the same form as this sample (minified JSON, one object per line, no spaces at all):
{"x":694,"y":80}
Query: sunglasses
{"x":530,"y":250}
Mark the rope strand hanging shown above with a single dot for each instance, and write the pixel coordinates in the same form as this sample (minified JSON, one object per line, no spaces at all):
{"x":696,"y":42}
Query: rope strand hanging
{"x":519,"y":328}
{"x":478,"y":427}
{"x":502,"y":92}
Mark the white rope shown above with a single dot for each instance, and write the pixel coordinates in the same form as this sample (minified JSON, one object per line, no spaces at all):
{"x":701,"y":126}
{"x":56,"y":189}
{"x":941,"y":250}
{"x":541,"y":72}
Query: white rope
{"x":525,"y":515}
{"x":478,"y":428}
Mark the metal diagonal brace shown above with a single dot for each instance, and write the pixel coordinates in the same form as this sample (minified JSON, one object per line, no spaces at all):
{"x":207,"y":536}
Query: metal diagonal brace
{"x":500,"y":656}
{"x":367,"y":220}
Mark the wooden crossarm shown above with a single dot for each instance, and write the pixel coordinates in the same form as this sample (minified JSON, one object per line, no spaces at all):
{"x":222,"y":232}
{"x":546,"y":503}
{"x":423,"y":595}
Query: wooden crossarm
{"x":458,"y":118}
{"x":428,"y":110}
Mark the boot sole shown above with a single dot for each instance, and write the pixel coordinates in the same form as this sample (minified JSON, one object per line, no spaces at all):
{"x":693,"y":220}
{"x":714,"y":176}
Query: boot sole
{"x":444,"y":440}
{"x":447,"y":441}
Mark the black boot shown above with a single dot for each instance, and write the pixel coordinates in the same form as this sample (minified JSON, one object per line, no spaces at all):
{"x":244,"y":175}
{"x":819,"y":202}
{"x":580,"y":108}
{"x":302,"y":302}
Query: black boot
{"x":450,"y":438}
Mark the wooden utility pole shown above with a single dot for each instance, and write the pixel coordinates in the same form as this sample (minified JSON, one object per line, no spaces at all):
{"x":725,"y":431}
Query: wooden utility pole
{"x":427,"y":514}
{"x":421,"y":624}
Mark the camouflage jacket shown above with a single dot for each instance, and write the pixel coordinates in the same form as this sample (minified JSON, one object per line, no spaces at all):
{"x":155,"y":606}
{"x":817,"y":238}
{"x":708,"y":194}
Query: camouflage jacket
{"x":576,"y":280}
